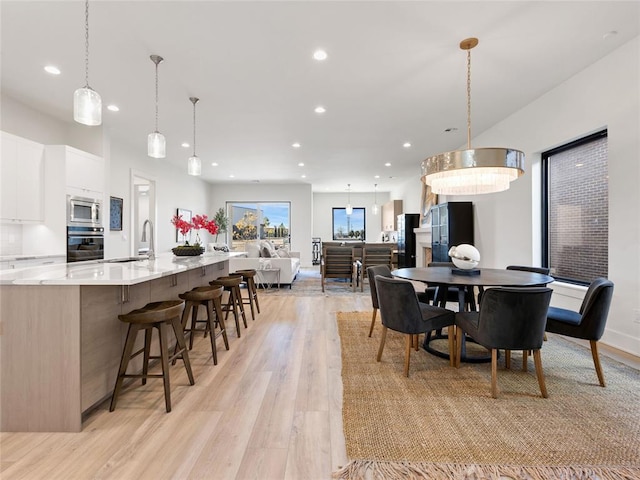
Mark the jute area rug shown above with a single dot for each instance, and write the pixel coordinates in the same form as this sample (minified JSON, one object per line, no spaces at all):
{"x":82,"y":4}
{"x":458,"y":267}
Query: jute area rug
{"x":441,"y":422}
{"x":309,"y":284}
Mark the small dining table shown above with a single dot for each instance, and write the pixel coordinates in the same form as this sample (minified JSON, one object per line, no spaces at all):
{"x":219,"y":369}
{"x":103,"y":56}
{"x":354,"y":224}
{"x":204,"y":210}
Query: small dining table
{"x":445,"y":277}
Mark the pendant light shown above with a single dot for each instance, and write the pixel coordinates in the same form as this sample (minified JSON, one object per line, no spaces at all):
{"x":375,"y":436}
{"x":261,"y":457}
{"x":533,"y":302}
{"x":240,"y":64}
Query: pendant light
{"x":472,"y":171}
{"x":375,"y":209}
{"x":87,"y":104}
{"x":156,"y":143}
{"x":194,"y":165}
{"x":349,"y":208}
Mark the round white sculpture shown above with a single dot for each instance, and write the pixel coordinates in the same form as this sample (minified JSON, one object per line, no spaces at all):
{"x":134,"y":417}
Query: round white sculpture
{"x":465,"y":256}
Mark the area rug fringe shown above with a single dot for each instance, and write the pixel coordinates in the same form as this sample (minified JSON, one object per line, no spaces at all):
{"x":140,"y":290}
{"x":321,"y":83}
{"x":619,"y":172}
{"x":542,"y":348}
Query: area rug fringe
{"x":375,"y":470}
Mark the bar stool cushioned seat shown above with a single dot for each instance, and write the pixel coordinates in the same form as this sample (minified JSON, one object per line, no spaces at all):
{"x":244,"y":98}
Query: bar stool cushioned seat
{"x":153,"y":315}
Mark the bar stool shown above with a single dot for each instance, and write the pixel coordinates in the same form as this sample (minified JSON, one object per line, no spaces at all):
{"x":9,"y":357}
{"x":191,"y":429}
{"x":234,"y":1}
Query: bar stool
{"x":231,"y":284}
{"x":153,"y":315}
{"x":247,"y":278}
{"x":210,"y":298}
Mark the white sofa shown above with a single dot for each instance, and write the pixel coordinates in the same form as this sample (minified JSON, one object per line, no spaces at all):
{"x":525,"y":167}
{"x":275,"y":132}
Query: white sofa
{"x":289,"y":266}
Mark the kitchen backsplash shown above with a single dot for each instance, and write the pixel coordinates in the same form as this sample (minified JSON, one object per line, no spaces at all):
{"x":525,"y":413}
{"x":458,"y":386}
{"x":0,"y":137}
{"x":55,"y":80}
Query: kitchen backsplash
{"x":10,"y":239}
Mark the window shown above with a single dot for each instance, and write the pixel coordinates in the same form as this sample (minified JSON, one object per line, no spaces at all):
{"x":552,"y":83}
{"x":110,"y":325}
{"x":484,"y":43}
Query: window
{"x":575,"y":196}
{"x":348,"y":227}
{"x":259,"y":220}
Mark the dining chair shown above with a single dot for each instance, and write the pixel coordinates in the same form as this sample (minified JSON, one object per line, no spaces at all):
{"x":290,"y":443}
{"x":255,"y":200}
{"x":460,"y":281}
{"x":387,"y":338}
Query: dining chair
{"x":374,"y":256}
{"x":400,"y":311}
{"x":511,"y":319}
{"x":587,"y":323}
{"x":384,"y":271}
{"x":337,"y":262}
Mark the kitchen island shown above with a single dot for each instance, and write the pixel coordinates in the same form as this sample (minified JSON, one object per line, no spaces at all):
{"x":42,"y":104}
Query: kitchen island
{"x":60,"y":337}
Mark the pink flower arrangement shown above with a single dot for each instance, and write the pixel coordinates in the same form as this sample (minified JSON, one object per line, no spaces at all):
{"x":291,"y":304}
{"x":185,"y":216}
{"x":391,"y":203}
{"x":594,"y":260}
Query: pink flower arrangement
{"x":197,"y":222}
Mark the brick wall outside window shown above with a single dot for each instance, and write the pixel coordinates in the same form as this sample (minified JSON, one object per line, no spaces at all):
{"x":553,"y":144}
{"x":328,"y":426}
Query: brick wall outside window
{"x":578,"y":214}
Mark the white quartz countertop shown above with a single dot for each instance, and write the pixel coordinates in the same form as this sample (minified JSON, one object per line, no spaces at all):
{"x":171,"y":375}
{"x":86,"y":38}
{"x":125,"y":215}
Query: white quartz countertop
{"x":111,"y":272}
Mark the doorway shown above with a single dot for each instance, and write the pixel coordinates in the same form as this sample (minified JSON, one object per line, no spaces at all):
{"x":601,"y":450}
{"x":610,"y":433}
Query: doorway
{"x":143,"y":206}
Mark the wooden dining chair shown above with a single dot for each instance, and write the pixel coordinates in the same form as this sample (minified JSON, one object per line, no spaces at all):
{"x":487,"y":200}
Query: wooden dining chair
{"x":372,"y":256}
{"x":337,"y":262}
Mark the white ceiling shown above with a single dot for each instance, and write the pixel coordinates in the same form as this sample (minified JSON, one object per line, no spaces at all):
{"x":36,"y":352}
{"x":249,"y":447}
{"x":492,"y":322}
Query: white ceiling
{"x":395,"y":73}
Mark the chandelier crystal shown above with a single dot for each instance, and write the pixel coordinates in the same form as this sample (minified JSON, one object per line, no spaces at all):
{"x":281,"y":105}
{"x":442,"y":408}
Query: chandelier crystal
{"x":87,"y":104}
{"x":472,"y":171}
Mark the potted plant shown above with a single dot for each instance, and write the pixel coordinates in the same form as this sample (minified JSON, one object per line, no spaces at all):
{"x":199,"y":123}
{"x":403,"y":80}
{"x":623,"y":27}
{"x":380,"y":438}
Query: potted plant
{"x":222,"y":221}
{"x":197,"y":222}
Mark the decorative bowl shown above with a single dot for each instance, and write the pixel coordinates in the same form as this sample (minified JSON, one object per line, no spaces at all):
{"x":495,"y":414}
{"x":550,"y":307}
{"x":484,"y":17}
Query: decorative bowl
{"x":187,"y":251}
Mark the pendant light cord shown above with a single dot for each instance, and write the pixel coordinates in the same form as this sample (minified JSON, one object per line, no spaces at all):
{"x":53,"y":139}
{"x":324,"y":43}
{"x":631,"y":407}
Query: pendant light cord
{"x":86,"y":43}
{"x":469,"y":99}
{"x":156,"y":95}
{"x":194,"y":100}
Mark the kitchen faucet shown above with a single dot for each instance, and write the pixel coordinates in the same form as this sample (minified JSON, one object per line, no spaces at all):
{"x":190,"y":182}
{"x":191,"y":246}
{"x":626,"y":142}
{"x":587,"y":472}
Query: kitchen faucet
{"x":151,"y":237}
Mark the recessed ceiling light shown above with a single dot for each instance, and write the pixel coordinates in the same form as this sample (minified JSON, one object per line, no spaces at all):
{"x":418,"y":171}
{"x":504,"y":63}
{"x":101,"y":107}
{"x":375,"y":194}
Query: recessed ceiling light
{"x":387,"y":164}
{"x":301,"y":164}
{"x":52,"y":69}
{"x":232,"y":176}
{"x":406,"y":144}
{"x":579,"y":164}
{"x":185,"y":145}
{"x":113,"y":108}
{"x":214,"y":164}
{"x":320,"y":109}
{"x":303,"y":176}
{"x":376,"y":176}
{"x":296,"y":145}
{"x":320,"y":55}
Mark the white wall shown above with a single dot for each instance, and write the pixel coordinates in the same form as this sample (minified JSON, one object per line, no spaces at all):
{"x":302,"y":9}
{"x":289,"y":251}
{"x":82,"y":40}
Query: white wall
{"x":301,"y":212}
{"x":507,"y":224}
{"x":323,"y":204}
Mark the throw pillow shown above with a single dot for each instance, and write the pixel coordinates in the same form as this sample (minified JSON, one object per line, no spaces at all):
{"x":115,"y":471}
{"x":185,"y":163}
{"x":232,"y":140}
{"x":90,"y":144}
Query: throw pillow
{"x":253,"y":250}
{"x":265,"y":252}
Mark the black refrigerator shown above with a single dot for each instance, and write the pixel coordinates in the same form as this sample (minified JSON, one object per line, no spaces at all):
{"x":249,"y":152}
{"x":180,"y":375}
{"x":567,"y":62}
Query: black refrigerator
{"x":407,"y":239}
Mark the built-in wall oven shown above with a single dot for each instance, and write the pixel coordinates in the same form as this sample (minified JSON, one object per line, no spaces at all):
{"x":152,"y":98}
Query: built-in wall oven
{"x":85,"y":243}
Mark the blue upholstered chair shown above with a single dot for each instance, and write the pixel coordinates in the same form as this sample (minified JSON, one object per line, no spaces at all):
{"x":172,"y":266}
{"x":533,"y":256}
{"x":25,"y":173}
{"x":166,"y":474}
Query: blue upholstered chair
{"x":384,"y":271}
{"x":588,"y":323}
{"x":510,"y":319}
{"x":400,"y":311}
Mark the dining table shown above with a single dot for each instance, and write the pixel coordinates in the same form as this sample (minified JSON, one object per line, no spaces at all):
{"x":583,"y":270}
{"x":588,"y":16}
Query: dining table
{"x":443,"y":278}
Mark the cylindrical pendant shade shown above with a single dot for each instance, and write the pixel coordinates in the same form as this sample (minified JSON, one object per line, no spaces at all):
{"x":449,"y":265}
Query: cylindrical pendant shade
{"x":349,"y":209}
{"x":194,"y":166}
{"x":156,"y":145}
{"x":87,"y":106}
{"x":375,"y":209}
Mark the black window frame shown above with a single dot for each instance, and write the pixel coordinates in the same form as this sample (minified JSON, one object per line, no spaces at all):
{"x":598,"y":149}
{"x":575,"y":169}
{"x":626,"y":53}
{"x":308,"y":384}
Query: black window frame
{"x":544,"y":157}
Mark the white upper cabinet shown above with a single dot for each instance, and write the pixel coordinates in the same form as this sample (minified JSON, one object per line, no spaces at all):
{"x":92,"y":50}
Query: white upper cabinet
{"x":21,"y":180}
{"x":84,"y":173}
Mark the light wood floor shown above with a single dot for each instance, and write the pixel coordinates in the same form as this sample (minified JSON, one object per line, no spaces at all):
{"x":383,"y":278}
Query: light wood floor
{"x":270,"y":409}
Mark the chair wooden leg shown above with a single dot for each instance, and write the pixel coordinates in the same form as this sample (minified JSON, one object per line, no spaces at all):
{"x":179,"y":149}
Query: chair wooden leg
{"x":416,"y":342}
{"x":452,"y":345}
{"x":459,"y":340}
{"x":212,"y":329}
{"x":217,"y":306}
{"x":407,"y":353}
{"x":182,"y":344}
{"x":383,"y":337}
{"x":596,"y":361}
{"x":146,"y":354}
{"x":164,"y":356}
{"x":525,"y":360}
{"x":507,"y":359}
{"x":124,"y":362}
{"x":373,"y":320}
{"x":494,"y":373}
{"x":539,"y":373}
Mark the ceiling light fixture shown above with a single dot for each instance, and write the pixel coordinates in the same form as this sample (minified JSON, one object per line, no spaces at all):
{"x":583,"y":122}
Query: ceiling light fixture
{"x":296,"y":145}
{"x":320,"y":109}
{"x":156,"y":144}
{"x":406,"y":145}
{"x":348,"y":208}
{"x":472,"y":171}
{"x":113,"y":108}
{"x":320,"y":55}
{"x":375,"y":209}
{"x":194,"y":165}
{"x":52,"y":69}
{"x":387,"y":164}
{"x":87,"y":104}
{"x":301,"y":164}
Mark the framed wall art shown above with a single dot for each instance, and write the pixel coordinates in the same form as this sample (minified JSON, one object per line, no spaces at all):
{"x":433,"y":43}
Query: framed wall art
{"x":428,"y":200}
{"x":115,"y":217}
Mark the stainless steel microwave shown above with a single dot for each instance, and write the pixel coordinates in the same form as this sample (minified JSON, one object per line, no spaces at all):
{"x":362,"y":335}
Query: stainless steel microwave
{"x":82,"y":211}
